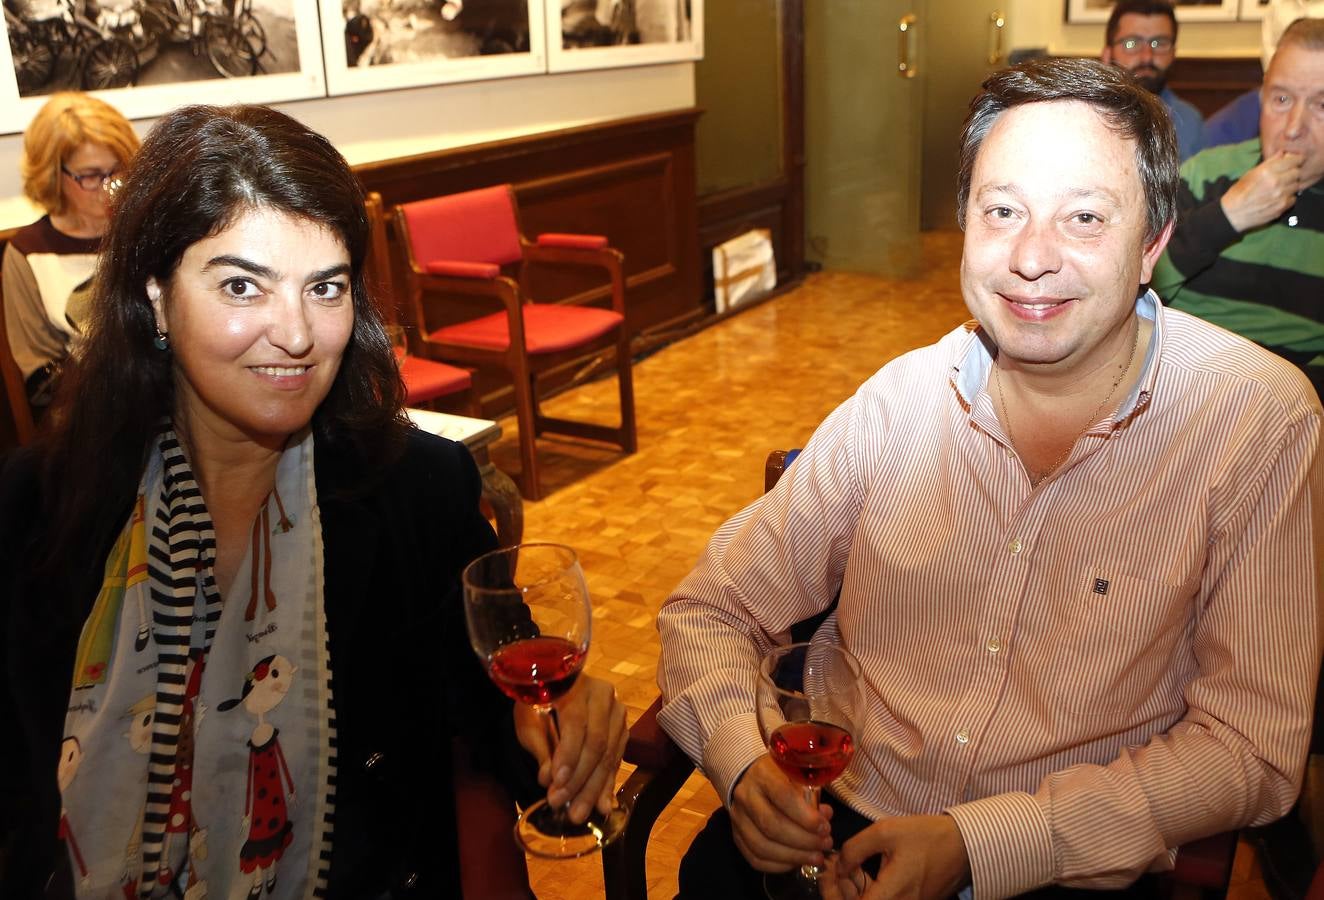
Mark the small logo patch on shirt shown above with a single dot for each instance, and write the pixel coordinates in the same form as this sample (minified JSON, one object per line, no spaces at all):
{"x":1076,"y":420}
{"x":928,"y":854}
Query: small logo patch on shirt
{"x":1100,"y":586}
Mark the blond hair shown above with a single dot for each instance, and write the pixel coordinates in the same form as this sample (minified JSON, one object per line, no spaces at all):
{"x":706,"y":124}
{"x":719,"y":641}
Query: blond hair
{"x":67,"y":121}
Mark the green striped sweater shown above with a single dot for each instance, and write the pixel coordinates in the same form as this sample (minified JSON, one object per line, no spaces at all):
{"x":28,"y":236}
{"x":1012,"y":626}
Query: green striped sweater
{"x":1266,"y":284}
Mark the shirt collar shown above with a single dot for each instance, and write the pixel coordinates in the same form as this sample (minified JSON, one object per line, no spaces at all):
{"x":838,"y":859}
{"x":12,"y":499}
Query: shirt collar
{"x":974,"y":360}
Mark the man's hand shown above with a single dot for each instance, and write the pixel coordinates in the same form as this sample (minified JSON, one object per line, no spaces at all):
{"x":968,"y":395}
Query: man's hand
{"x":923,"y":857}
{"x":592,"y":741}
{"x":773,"y":826}
{"x":1264,"y":193}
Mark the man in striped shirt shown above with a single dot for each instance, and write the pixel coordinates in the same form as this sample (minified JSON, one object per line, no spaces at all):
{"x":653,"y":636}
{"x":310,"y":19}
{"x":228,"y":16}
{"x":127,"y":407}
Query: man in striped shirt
{"x":1248,"y":250}
{"x":1074,"y":544}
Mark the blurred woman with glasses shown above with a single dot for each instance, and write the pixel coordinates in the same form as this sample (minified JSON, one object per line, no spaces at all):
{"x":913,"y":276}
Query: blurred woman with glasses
{"x":73,"y":152}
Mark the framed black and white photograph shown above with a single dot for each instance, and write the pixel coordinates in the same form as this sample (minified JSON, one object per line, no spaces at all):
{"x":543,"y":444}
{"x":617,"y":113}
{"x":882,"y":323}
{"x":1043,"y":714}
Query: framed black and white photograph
{"x":374,"y":45}
{"x":148,"y":56}
{"x":597,"y":34}
{"x":1092,"y":11}
{"x":1253,"y":10}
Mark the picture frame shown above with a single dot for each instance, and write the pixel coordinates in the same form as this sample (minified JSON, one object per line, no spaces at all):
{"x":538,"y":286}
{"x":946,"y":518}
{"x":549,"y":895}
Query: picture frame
{"x":1081,"y":12}
{"x":146,"y":57}
{"x":1252,"y":10}
{"x":373,"y":46}
{"x":600,"y":34}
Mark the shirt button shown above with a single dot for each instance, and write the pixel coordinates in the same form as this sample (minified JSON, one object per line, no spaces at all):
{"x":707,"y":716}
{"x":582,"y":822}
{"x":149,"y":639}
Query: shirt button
{"x":993,"y":645}
{"x":1015,"y":545}
{"x":963,"y":737}
{"x":1291,"y":221}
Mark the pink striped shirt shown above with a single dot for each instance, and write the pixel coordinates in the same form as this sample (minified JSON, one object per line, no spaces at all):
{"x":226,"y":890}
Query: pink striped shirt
{"x":1084,"y":673}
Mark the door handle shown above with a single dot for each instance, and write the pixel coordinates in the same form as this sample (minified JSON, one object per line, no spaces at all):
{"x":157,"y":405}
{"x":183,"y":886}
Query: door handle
{"x":905,"y":54}
{"x":997,"y":25}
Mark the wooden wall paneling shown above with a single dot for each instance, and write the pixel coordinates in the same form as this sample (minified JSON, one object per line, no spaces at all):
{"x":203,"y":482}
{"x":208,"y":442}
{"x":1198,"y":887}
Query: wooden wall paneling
{"x":724,"y":215}
{"x":1209,"y":83}
{"x":601,"y":201}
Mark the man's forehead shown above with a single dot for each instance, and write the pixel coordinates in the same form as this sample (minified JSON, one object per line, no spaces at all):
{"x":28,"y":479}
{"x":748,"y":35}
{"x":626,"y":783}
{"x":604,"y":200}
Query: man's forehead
{"x":1298,"y":66}
{"x":1044,"y":120}
{"x":1064,"y":140}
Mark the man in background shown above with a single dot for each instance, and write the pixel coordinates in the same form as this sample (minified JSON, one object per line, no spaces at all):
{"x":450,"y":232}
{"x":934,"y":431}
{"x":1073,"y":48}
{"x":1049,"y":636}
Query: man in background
{"x":1141,"y":38}
{"x":1248,"y":249}
{"x":1239,"y":120}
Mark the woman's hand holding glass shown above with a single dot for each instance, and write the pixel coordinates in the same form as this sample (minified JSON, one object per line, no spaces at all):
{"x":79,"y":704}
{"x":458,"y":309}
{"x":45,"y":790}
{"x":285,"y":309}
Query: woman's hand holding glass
{"x":529,"y":619}
{"x":581,"y":774}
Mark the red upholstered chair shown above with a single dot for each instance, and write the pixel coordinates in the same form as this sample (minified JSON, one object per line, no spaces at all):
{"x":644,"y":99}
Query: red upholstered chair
{"x":459,"y":250}
{"x":425,"y":379}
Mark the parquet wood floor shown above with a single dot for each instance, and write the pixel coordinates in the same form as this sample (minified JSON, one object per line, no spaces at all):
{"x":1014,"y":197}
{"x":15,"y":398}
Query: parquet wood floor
{"x":710,"y":407}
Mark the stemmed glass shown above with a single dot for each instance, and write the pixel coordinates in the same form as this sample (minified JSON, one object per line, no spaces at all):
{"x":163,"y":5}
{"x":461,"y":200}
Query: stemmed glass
{"x":810,"y":702}
{"x":529,"y":619}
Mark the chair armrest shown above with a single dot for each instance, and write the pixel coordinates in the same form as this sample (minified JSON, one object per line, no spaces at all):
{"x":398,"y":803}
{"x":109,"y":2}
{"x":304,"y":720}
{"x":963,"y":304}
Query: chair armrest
{"x":580,"y":254}
{"x":500,"y":288}
{"x":662,"y":769}
{"x":570,"y":253}
{"x":457,"y":268}
{"x":648,"y":745}
{"x":1205,"y":864}
{"x":579,"y":241}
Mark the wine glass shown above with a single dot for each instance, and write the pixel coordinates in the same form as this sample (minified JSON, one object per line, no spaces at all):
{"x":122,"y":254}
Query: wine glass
{"x":529,"y":619}
{"x":810,"y":703}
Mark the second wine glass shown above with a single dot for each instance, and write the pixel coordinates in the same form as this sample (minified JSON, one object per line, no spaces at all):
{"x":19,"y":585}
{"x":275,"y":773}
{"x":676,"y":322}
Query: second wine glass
{"x":530,"y":619}
{"x":809,"y":701}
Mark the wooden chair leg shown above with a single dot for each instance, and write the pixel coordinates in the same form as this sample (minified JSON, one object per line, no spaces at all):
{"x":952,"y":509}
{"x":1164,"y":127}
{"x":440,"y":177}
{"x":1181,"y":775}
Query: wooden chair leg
{"x":539,"y":420}
{"x":530,"y":486}
{"x":625,"y":381}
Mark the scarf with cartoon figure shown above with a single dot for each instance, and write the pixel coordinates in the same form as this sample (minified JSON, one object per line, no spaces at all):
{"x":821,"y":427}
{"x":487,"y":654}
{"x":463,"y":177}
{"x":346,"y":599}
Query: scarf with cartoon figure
{"x":197,"y":752}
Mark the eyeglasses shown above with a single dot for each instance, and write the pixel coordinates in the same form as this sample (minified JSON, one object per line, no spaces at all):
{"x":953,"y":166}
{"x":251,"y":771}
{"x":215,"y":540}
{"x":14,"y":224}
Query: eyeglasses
{"x":1133,"y":44}
{"x":90,"y":181}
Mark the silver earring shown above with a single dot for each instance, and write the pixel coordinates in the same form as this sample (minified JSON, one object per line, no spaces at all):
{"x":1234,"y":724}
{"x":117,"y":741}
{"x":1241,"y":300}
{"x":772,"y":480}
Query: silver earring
{"x":161,"y":342}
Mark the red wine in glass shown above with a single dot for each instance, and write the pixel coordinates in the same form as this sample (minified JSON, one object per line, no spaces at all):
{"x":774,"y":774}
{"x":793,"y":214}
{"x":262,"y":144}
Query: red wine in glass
{"x":529,"y":620}
{"x":809,"y":701}
{"x":537,"y":670}
{"x":811,"y":753}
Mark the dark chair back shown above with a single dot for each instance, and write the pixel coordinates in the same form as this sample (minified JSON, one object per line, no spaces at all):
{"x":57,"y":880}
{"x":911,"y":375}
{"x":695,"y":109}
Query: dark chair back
{"x":16,"y":392}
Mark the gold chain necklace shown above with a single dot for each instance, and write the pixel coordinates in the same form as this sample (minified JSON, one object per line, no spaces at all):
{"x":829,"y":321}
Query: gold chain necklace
{"x":997,"y":377}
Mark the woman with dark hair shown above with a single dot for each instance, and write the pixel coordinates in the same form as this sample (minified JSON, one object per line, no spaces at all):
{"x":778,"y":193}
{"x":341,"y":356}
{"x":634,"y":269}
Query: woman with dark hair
{"x":230,"y":504}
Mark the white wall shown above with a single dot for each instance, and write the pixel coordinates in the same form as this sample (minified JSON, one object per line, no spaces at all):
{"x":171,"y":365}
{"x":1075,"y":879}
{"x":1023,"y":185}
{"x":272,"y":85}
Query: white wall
{"x":1041,"y":23}
{"x":370,"y":127}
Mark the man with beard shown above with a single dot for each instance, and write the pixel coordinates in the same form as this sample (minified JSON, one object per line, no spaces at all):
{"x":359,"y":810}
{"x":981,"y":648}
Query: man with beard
{"x":1142,"y":39}
{"x":1246,"y":253}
